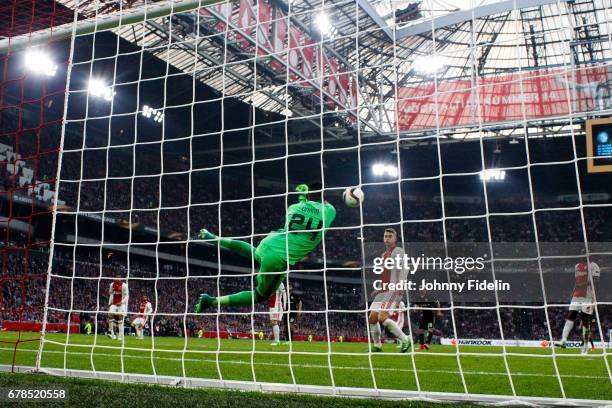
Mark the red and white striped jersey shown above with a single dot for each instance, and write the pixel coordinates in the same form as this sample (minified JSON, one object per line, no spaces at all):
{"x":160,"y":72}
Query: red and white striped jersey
{"x":145,"y":309}
{"x":582,"y":286}
{"x":394,"y":275}
{"x":118,"y":294}
{"x":279,"y":299}
{"x":399,"y":315}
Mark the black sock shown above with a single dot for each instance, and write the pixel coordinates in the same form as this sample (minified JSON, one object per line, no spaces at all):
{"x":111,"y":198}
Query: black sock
{"x":422,"y":338}
{"x":429,"y":336}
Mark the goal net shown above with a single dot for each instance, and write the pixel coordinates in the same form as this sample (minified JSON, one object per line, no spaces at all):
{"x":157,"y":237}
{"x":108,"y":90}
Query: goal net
{"x":380,"y":198}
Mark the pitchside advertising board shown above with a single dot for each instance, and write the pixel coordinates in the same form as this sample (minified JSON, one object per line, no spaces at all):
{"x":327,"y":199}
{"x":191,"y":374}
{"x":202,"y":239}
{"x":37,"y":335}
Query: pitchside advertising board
{"x":516,"y":96}
{"x":512,"y":343}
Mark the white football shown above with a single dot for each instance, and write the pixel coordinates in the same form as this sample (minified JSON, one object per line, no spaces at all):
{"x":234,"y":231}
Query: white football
{"x":353,"y":197}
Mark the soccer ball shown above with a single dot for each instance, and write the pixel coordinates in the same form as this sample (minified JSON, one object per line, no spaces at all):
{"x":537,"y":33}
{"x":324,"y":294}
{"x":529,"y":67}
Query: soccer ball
{"x":353,"y":197}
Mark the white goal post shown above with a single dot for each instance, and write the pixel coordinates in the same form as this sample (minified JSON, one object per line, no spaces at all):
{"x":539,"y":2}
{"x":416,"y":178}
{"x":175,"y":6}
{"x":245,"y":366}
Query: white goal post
{"x":324,"y":95}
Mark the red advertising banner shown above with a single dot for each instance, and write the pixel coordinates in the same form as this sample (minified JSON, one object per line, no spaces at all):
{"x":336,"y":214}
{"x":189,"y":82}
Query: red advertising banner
{"x":224,"y":10}
{"x":333,"y":80}
{"x":278,"y":42}
{"x":512,"y":97}
{"x":343,"y":80}
{"x":264,"y":12}
{"x":352,"y":102}
{"x":246,"y":20}
{"x":311,"y":66}
{"x":308,"y":51}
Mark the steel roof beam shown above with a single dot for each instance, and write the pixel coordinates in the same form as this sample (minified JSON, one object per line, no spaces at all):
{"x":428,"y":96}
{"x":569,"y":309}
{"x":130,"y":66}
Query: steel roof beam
{"x":467,"y":15}
{"x":370,"y":11}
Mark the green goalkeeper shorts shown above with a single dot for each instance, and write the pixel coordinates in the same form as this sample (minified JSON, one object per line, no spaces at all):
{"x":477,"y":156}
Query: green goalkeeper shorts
{"x":269,"y":279}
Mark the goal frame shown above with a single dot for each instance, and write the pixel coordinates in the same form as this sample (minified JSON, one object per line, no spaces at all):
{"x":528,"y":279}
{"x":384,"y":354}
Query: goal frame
{"x":157,"y":10}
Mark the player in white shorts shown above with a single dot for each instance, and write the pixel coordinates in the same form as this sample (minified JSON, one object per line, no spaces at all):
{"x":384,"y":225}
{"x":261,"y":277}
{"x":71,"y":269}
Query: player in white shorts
{"x":385,"y":302}
{"x":399,"y":317}
{"x":144,"y":311}
{"x":117,"y":306}
{"x":582,"y":301}
{"x":277,"y":303}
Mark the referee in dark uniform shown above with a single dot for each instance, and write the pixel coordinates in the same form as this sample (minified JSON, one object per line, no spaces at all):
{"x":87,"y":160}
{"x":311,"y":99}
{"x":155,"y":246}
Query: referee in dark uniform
{"x":294,"y":310}
{"x":428,"y":318}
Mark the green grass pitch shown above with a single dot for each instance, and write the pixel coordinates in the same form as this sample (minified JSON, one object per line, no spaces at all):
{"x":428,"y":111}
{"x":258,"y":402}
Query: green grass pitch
{"x":96,"y":393}
{"x":342,"y":364}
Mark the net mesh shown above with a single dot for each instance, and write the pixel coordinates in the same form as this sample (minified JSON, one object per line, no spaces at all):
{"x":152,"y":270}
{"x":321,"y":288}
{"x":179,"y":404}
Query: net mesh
{"x":30,"y":125}
{"x":463,"y":128}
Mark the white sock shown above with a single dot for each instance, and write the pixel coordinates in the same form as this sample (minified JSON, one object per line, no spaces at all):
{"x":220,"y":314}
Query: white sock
{"x":276,"y":331}
{"x":111,"y":327}
{"x":395,"y":330}
{"x":567,"y":329}
{"x":121,"y":329}
{"x":375,"y":333}
{"x":138,"y":331}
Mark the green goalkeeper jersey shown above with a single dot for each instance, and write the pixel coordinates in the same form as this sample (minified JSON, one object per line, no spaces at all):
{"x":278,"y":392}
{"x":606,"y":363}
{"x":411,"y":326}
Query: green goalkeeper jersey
{"x":305,"y":224}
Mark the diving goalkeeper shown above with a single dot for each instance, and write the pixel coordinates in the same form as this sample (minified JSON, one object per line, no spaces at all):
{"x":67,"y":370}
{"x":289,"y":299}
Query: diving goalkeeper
{"x":302,"y":233}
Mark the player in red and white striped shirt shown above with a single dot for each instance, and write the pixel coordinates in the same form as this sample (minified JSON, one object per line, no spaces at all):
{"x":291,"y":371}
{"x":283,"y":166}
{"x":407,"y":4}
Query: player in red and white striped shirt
{"x":399,"y":316}
{"x":277,"y":303}
{"x":386,"y":301}
{"x":117,"y":306}
{"x":144,"y":311}
{"x":582,"y":301}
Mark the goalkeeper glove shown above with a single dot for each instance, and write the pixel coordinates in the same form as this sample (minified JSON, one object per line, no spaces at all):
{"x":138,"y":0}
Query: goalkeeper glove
{"x":302,"y":188}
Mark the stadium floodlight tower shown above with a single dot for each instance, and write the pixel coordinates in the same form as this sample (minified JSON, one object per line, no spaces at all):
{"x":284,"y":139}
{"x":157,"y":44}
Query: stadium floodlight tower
{"x":98,"y":88}
{"x":40,"y":62}
{"x":493,"y":175}
{"x":319,"y":92}
{"x":381,"y":169}
{"x":429,"y":65}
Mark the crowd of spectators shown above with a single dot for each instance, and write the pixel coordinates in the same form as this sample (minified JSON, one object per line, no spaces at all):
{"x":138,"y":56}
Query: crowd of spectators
{"x":80,"y":285}
{"x":81,"y":277}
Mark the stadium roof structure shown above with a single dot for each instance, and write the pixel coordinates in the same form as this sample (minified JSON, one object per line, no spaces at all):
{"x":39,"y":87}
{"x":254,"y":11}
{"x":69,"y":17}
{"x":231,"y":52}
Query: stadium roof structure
{"x":476,"y":38}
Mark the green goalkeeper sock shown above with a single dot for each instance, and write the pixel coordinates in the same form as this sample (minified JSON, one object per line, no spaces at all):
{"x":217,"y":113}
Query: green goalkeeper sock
{"x":244,"y":298}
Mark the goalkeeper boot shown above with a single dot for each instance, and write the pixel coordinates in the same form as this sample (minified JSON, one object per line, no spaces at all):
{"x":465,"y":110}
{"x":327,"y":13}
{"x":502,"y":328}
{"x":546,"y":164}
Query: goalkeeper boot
{"x":204,"y":301}
{"x":561,"y":344}
{"x":376,"y":349}
{"x":206,"y":234}
{"x":405,"y":346}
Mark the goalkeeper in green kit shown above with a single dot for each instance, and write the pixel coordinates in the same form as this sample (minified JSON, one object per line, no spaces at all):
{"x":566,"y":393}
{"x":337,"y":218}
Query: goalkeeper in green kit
{"x":302,"y":233}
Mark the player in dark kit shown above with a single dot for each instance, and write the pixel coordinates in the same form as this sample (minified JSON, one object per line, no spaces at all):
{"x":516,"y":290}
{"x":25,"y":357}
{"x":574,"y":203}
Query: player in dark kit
{"x":430,"y":308}
{"x":586,"y":321}
{"x":293,"y":313}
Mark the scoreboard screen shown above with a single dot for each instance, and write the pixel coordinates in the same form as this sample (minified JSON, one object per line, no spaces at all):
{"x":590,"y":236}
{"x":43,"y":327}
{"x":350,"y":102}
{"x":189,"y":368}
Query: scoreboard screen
{"x":599,"y":145}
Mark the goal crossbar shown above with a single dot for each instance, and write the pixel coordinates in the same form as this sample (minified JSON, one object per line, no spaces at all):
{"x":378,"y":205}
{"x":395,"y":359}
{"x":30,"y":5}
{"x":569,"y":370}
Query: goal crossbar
{"x":111,"y":21}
